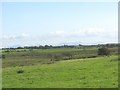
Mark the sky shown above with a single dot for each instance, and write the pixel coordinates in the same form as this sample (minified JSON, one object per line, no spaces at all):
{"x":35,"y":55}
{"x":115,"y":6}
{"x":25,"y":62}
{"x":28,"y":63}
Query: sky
{"x":57,"y":23}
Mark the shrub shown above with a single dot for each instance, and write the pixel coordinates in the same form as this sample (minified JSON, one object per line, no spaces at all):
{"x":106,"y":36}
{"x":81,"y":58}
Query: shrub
{"x":7,"y":51}
{"x":103,"y":51}
{"x":20,"y":71}
{"x":91,"y":56}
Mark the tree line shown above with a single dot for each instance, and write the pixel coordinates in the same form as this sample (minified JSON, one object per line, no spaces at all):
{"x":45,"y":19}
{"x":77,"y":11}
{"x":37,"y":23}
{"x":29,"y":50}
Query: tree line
{"x":65,"y":46}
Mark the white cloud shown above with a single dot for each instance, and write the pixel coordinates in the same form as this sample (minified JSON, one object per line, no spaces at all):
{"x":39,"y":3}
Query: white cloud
{"x":58,"y":32}
{"x":90,"y":35}
{"x":23,"y":35}
{"x":87,"y":32}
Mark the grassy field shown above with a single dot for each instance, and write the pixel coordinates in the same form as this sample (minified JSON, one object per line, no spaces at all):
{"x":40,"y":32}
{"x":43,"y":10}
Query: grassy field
{"x":59,"y":68}
{"x":100,"y":72}
{"x":25,"y":57}
{"x":39,"y":56}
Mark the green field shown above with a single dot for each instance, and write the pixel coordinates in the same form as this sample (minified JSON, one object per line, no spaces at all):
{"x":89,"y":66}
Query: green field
{"x":59,"y":68}
{"x":78,"y":73}
{"x":39,"y":56}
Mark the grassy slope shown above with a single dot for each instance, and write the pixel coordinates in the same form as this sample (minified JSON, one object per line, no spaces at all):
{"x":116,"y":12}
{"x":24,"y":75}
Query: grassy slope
{"x":92,"y":72}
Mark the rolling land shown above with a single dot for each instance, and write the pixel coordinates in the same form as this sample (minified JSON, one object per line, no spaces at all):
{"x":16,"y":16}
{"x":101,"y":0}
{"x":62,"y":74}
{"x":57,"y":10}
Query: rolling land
{"x":60,"y":68}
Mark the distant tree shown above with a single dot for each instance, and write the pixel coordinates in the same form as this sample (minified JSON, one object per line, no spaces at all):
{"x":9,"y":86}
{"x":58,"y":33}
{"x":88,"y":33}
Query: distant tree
{"x":46,"y":47}
{"x":19,"y":48}
{"x":50,"y":46}
{"x":104,"y":51}
{"x":80,"y":44}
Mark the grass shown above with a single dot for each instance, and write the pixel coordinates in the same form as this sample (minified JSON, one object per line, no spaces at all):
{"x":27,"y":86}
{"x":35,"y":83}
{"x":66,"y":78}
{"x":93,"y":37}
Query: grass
{"x":38,"y":56}
{"x":77,"y":73}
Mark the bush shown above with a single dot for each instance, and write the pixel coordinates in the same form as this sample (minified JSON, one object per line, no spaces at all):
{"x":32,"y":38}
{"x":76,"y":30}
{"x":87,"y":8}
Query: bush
{"x":20,"y":71}
{"x":103,"y":51}
{"x":91,"y":56}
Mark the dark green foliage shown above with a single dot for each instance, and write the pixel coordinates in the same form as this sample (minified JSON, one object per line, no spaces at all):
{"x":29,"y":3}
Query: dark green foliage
{"x":104,"y":51}
{"x":112,"y":45}
{"x":20,"y":71}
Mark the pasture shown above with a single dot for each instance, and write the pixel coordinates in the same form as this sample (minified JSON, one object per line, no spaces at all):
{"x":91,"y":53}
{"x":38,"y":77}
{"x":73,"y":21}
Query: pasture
{"x":101,"y":72}
{"x":59,"y":68}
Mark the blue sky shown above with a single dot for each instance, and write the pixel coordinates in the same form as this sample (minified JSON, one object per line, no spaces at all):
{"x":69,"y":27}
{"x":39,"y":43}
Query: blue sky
{"x":58,"y":23}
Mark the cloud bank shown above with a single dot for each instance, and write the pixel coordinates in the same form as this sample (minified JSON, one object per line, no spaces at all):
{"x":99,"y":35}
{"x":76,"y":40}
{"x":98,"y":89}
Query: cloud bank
{"x":90,"y":35}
